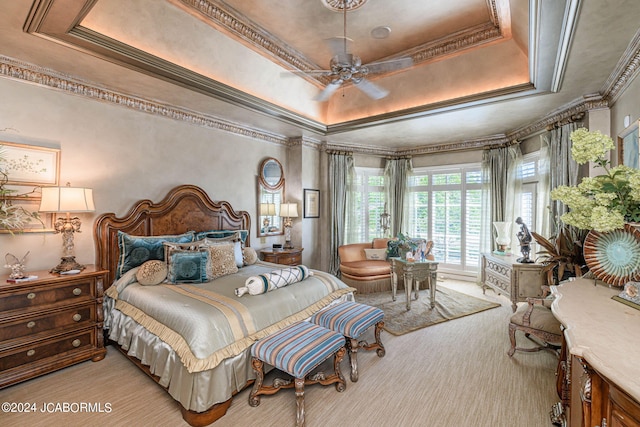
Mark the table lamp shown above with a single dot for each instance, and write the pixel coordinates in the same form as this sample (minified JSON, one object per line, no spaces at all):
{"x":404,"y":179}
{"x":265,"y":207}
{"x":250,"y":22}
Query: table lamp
{"x":288,"y":211}
{"x":67,"y":200}
{"x":267,"y":210}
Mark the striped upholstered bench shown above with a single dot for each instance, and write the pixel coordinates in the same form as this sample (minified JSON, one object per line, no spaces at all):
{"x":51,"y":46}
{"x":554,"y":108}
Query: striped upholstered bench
{"x":351,"y":319}
{"x":297,"y":350}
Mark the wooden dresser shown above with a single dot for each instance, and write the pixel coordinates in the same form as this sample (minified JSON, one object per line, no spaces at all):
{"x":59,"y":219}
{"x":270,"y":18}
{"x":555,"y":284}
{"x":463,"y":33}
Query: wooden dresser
{"x":50,"y":323}
{"x":512,"y":279}
{"x":598,"y":373}
{"x":283,"y":256}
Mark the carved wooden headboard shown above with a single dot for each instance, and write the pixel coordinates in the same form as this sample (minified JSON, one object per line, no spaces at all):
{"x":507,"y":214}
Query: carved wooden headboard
{"x":185,"y":208}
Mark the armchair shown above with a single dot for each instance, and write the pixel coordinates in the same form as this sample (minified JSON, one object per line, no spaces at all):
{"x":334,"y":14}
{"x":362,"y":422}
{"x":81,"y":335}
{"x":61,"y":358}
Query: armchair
{"x":535,"y":318}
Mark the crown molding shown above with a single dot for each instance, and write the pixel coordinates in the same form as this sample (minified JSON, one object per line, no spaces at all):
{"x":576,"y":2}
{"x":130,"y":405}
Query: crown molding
{"x":219,"y":15}
{"x":17,"y":70}
{"x":625,"y":71}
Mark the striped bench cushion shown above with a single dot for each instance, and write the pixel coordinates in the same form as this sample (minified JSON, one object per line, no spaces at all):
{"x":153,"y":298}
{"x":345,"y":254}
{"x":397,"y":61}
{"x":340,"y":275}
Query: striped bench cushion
{"x":298,"y":348}
{"x":349,"y":318}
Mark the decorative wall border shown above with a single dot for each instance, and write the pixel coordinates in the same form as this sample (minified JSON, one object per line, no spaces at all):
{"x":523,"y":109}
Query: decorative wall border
{"x":18,"y":70}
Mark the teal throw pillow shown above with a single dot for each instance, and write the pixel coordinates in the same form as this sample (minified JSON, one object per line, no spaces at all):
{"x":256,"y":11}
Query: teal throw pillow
{"x":188,"y":266}
{"x":136,"y":250}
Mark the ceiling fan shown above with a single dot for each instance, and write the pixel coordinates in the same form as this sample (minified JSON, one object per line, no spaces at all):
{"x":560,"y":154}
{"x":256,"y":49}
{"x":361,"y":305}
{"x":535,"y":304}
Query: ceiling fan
{"x":347,"y":67}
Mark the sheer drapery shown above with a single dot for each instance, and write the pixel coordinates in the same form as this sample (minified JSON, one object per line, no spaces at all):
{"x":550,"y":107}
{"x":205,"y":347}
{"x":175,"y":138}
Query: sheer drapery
{"x":501,"y":190}
{"x":341,"y":173}
{"x":396,"y":172}
{"x":563,"y":170}
{"x":543,"y":223}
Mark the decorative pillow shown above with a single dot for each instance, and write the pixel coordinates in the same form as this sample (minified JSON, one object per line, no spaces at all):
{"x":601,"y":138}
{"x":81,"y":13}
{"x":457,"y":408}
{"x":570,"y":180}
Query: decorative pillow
{"x":189,"y":246}
{"x":250,"y":256}
{"x":237,"y":248}
{"x":188,"y":266}
{"x":152,"y":273}
{"x":378,"y":254}
{"x":220,"y":234}
{"x":263,"y":283}
{"x":223,"y":260}
{"x":136,"y":250}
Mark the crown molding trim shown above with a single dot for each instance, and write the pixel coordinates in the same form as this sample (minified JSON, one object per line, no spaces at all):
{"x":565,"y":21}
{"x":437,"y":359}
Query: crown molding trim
{"x":235,"y":24}
{"x":625,"y":71}
{"x":17,"y":70}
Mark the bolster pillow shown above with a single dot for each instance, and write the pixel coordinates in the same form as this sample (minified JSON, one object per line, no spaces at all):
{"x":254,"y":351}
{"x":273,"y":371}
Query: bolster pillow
{"x":263,"y":283}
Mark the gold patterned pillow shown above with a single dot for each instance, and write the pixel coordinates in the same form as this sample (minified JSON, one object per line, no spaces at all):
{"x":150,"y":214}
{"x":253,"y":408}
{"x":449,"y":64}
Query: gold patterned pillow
{"x":152,"y":273}
{"x":223,"y":260}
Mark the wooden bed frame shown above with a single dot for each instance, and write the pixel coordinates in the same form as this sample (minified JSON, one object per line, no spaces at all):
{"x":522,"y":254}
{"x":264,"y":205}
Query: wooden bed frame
{"x":185,"y":208}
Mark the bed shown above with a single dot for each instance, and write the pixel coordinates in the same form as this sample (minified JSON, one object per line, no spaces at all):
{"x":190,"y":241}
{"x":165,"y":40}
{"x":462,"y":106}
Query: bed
{"x":160,"y":328}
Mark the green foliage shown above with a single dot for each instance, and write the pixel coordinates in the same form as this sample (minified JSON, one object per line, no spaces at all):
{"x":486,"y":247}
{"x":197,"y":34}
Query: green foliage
{"x":561,"y":255}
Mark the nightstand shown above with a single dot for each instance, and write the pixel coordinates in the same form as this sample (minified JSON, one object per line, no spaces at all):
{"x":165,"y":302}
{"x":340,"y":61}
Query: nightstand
{"x":283,"y":256}
{"x":50,"y":323}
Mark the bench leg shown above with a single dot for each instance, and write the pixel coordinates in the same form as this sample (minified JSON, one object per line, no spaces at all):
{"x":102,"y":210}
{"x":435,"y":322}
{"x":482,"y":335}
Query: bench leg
{"x":254,"y":397}
{"x":299,"y":382}
{"x":352,"y":349}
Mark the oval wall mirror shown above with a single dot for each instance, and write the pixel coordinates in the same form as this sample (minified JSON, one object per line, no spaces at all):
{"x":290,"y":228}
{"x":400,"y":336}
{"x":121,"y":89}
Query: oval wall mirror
{"x":270,"y":195}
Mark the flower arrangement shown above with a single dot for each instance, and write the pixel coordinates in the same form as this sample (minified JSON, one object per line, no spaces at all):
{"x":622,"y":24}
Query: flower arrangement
{"x":604,"y":202}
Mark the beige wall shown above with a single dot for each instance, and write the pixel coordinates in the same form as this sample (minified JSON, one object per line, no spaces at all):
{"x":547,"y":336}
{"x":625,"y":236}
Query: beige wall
{"x":125,"y":156}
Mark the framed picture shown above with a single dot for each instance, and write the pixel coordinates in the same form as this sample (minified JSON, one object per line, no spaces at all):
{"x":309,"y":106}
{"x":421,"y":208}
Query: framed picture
{"x":28,"y":168}
{"x":31,"y":204}
{"x":628,"y":143}
{"x":29,"y":164}
{"x":311,"y":203}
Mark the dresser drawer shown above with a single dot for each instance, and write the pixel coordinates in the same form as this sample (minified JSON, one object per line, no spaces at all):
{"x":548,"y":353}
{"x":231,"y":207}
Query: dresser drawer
{"x":47,"y":320}
{"x":36,"y":296}
{"x":39,"y":350}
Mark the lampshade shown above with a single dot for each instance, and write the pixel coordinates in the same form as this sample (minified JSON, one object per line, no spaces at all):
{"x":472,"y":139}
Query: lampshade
{"x":289,"y":210}
{"x":66,"y":199}
{"x":267,"y":209}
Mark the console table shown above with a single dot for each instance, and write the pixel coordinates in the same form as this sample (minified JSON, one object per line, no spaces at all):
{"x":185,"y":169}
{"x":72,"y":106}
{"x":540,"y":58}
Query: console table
{"x":414,"y":272}
{"x":598,"y":371}
{"x":514,"y":280}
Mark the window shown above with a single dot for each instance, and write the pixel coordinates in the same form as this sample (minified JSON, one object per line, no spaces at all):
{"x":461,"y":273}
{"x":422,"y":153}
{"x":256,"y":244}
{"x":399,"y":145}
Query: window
{"x":368,"y":197}
{"x":444,"y":206}
{"x":529,"y":173}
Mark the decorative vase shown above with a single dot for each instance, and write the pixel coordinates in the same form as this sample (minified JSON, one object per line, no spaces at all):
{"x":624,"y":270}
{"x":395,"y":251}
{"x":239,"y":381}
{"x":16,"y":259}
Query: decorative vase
{"x":503,"y":238}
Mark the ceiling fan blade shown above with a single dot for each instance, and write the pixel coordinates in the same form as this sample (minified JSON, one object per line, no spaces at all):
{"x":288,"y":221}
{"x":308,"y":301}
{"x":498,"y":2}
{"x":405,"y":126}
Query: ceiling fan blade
{"x":340,"y":46}
{"x":307,"y":73}
{"x":372,"y":90}
{"x":390,"y":65}
{"x":328,"y":91}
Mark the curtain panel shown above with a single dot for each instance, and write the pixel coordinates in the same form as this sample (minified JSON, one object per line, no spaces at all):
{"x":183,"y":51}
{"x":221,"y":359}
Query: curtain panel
{"x":341,"y":175}
{"x":563,"y":170}
{"x":501,"y":192}
{"x":396,"y":172}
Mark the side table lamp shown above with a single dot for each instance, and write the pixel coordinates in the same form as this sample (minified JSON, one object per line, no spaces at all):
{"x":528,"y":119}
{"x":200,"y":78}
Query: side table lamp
{"x":67,"y":200}
{"x":288,"y":211}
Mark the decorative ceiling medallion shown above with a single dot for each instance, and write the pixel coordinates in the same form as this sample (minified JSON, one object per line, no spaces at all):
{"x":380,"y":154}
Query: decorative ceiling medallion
{"x":338,"y":5}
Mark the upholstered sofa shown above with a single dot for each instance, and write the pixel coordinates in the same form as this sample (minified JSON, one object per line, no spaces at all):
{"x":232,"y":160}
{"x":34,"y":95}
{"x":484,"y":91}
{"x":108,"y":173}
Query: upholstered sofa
{"x":364,"y":266}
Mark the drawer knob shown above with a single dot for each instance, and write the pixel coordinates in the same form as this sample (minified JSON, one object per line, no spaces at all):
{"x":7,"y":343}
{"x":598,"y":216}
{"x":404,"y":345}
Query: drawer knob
{"x":77,"y":291}
{"x":77,"y":317}
{"x":31,"y":324}
{"x":31,"y":353}
{"x":31,"y":295}
{"x":75,"y":343}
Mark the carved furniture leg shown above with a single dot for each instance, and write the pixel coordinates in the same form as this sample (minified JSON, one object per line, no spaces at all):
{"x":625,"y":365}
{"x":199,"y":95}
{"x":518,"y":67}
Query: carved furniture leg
{"x":352,"y":349}
{"x":299,"y":384}
{"x":254,"y":397}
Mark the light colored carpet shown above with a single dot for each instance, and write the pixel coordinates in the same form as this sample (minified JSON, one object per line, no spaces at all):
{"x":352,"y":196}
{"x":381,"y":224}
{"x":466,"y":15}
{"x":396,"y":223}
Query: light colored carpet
{"x":453,"y":374}
{"x":449,"y":305}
